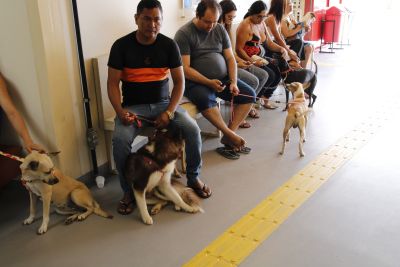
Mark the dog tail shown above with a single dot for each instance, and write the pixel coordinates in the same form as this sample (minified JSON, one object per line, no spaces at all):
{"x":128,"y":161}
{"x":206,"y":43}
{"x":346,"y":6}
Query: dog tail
{"x":190,"y":198}
{"x":297,"y":115}
{"x":97,"y":210}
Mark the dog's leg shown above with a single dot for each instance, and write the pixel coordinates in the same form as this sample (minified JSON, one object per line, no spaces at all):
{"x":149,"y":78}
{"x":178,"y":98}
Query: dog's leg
{"x":167,"y":189}
{"x":46,"y":199}
{"x":285,"y":135}
{"x":32,"y":208}
{"x":83,"y":199}
{"x":158,"y":207}
{"x":302,"y":139}
{"x":141,"y":203}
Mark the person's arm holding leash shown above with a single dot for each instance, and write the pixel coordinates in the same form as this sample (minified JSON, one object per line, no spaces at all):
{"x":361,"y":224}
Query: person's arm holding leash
{"x":271,"y":23}
{"x":114,"y":94}
{"x":15,"y":118}
{"x":232,"y":70}
{"x":176,"y":95}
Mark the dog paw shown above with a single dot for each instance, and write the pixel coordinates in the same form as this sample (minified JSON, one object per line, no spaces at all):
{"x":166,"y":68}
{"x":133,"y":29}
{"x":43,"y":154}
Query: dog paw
{"x":42,"y":230}
{"x":148,"y":220}
{"x":177,"y":208}
{"x":302,"y":154}
{"x":281,"y":153}
{"x":28,"y":220}
{"x":81,"y":217}
{"x":192,"y":209}
{"x":155,"y":210}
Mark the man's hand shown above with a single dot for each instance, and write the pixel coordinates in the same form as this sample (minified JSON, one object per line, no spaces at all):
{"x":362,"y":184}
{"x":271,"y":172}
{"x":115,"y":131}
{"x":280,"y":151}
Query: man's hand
{"x":162,"y":121}
{"x":284,"y":54}
{"x":32,"y":146}
{"x":217,"y":85}
{"x":244,"y":64}
{"x":126,"y":117}
{"x":234,"y":89}
{"x":293,"y":55}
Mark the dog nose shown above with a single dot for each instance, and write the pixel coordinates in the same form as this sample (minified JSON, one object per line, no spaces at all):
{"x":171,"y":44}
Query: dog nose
{"x":53,"y":181}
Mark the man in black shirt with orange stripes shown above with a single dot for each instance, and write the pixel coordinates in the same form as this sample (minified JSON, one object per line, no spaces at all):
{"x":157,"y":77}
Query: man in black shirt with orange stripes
{"x":142,"y":61}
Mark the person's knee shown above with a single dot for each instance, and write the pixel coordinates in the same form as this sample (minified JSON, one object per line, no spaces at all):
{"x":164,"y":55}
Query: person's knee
{"x":308,"y":49}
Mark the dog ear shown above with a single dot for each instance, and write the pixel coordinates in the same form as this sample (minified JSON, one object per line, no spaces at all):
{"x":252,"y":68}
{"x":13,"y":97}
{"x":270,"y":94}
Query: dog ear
{"x":33,"y":165}
{"x":52,"y":154}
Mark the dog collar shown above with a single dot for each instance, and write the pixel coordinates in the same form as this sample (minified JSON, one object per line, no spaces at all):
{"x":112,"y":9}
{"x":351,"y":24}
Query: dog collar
{"x":25,"y":182}
{"x":147,"y":160}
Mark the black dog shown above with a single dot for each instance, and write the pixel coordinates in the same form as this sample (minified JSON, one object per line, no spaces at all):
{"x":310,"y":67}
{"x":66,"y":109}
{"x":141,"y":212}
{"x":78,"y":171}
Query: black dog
{"x":289,"y":75}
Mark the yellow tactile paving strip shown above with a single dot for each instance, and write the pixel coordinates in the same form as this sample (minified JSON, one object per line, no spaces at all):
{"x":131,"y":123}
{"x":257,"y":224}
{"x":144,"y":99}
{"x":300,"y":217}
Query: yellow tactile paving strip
{"x":242,"y":238}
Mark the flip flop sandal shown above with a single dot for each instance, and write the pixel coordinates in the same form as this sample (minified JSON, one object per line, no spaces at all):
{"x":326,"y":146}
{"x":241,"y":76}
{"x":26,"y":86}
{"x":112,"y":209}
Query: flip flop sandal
{"x":202,"y":192}
{"x":254,"y":114}
{"x":243,"y":149}
{"x":268,"y":106}
{"x":245,"y":124}
{"x":228,"y":152}
{"x":125,"y":208}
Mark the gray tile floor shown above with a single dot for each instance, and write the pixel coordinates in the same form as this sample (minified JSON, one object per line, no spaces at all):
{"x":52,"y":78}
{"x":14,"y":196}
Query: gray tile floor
{"x":352,"y":220}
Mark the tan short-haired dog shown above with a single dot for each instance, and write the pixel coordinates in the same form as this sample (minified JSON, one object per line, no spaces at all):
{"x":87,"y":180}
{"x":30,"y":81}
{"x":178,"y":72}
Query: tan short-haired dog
{"x":296,"y":116}
{"x":159,"y":200}
{"x":41,"y":179}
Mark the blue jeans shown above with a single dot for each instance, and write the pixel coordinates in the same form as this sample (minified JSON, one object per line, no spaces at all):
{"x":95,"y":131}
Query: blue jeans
{"x":123,"y":137}
{"x":205,"y":97}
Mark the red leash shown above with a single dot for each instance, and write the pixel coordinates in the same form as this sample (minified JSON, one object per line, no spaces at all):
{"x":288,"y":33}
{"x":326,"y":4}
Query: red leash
{"x":7,"y":155}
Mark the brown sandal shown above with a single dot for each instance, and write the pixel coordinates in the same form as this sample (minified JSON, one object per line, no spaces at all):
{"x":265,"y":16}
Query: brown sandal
{"x":245,"y":124}
{"x":253,"y":114}
{"x":203,"y":192}
{"x":125,"y":208}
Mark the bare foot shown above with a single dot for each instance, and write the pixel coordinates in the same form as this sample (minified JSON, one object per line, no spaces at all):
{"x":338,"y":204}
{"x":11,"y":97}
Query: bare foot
{"x":201,"y":189}
{"x":235,"y":141}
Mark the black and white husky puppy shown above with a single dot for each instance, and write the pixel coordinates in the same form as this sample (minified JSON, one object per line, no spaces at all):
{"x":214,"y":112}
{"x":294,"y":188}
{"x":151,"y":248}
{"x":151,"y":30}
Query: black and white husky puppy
{"x":151,"y":167}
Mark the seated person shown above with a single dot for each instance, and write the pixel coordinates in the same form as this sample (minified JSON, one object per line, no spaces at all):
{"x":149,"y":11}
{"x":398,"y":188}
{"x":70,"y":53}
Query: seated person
{"x":211,"y":71}
{"x":250,"y":35}
{"x":142,"y":60}
{"x":254,"y":76}
{"x":293,"y":33}
{"x":15,"y":118}
{"x":273,"y":22}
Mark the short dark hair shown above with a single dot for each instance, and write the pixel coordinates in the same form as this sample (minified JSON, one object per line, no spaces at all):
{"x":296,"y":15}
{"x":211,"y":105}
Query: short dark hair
{"x":277,"y":9}
{"x":149,"y":4}
{"x":207,"y":4}
{"x":226,"y":6}
{"x":256,"y":8}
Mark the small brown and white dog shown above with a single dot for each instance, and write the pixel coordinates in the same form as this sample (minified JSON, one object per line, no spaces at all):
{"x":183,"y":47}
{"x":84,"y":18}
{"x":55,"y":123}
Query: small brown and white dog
{"x":296,"y":116}
{"x":43,"y":180}
{"x":151,"y":167}
{"x":159,"y":200}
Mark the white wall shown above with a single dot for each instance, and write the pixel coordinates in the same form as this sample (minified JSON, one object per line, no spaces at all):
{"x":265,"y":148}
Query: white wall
{"x":39,"y":59}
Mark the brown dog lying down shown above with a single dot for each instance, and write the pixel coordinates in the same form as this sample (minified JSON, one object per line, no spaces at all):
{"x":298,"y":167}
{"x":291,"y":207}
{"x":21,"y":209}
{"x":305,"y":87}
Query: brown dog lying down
{"x":151,"y":167}
{"x":159,"y":200}
{"x":296,"y":116}
{"x":41,"y":179}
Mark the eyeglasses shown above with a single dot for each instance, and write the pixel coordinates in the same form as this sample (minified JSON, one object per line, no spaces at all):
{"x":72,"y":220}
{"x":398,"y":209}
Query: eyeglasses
{"x":208,"y":22}
{"x":261,"y":16}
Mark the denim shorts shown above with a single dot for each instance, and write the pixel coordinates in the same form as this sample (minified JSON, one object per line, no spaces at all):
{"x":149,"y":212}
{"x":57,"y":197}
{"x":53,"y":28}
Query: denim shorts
{"x":205,"y":97}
